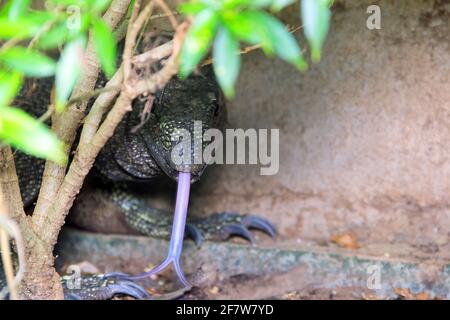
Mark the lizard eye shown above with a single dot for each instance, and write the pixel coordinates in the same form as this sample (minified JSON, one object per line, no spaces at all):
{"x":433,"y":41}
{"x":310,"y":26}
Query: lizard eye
{"x":217,"y":104}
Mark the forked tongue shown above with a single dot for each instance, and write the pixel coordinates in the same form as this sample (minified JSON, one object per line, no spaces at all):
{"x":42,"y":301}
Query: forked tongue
{"x":179,"y":219}
{"x":177,"y":236}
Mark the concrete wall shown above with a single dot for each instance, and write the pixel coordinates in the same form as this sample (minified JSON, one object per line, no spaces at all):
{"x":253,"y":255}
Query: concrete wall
{"x":364,"y":135}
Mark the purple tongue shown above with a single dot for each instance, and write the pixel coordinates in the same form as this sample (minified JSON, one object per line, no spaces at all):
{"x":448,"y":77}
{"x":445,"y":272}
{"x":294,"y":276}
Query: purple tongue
{"x":178,"y":227}
{"x":179,"y":219}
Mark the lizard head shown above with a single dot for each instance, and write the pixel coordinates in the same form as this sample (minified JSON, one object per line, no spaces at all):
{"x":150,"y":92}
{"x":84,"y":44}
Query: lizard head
{"x":190,"y":106}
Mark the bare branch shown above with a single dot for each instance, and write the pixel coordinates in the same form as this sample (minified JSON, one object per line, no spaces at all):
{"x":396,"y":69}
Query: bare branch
{"x":169,"y":13}
{"x":160,"y":78}
{"x":130,"y":40}
{"x":100,"y":106}
{"x":94,"y":93}
{"x":248,"y":49}
{"x":87,"y":152}
{"x":66,"y":124}
{"x":155,"y":54}
{"x":9,"y":185}
{"x":9,"y":228}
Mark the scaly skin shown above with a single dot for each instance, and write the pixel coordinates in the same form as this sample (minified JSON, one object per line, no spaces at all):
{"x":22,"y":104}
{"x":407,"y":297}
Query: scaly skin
{"x":132,"y":156}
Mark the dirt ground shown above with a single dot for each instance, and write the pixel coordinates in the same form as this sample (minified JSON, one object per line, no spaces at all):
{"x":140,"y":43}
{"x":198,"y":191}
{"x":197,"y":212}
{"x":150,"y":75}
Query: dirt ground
{"x":364,"y":145}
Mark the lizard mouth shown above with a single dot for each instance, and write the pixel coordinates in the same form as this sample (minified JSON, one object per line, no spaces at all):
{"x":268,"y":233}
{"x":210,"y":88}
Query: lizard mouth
{"x":172,"y":170}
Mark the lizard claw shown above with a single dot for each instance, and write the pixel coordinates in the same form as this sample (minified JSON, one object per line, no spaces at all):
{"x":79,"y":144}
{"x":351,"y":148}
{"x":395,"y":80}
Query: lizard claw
{"x":220,"y":226}
{"x":194,"y":233}
{"x":260,"y":224}
{"x":239,"y":230}
{"x":102,"y":287}
{"x":128,"y":288}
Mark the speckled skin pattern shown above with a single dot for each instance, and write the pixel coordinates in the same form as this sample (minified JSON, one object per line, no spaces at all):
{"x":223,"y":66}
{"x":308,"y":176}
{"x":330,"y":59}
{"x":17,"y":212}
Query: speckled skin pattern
{"x":138,"y":152}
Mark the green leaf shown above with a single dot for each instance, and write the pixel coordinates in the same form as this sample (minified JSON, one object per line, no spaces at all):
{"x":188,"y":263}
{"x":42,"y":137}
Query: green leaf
{"x":100,"y":5}
{"x":259,"y":27}
{"x":17,"y":8}
{"x":18,"y":29}
{"x":105,"y":46}
{"x":316,"y":21}
{"x":66,"y":3}
{"x":227,"y":60}
{"x":64,"y":30}
{"x":286,"y":47}
{"x":254,"y":4}
{"x":5,"y":9}
{"x":29,"y":135}
{"x":277,"y":5}
{"x":249,"y":26}
{"x":31,"y":63}
{"x":192,"y":8}
{"x":54,"y":37}
{"x":130,"y":8}
{"x":77,"y":22}
{"x":198,"y":40}
{"x":10,"y":83}
{"x":68,"y":70}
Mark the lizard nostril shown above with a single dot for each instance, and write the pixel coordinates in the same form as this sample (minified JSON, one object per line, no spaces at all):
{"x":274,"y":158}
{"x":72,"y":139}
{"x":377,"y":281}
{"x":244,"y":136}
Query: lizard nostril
{"x":217,"y":109}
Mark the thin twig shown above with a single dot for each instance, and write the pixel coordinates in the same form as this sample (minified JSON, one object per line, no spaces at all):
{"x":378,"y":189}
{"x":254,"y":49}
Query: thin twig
{"x":169,"y":13}
{"x":66,"y":124}
{"x":98,"y":109}
{"x":245,"y":50}
{"x":103,"y":101}
{"x":9,"y":228}
{"x":86,"y":153}
{"x":7,"y":262}
{"x":131,"y":38}
{"x":164,"y":15}
{"x":46,"y":27}
{"x":159,"y":79}
{"x":10,"y":43}
{"x":47,"y":114}
{"x":92,"y":94}
{"x":154,"y":54}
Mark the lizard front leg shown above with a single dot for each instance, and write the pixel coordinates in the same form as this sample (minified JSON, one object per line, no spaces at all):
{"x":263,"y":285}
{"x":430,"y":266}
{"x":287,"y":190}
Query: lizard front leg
{"x":157,"y":223}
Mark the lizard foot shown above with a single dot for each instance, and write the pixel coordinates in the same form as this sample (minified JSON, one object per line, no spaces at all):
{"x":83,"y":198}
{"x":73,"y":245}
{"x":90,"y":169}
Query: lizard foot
{"x":101,"y":287}
{"x":221,"y":226}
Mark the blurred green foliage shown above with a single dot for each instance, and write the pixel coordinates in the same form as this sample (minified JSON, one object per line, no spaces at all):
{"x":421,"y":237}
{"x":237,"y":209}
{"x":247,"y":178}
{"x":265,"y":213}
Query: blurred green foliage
{"x":64,"y":24}
{"x":224,"y":24}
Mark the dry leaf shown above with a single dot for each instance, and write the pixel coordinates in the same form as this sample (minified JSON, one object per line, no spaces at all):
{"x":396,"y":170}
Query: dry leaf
{"x":293,"y":295}
{"x":370,"y":296}
{"x":214,"y":290}
{"x":348,"y":240}
{"x":407,"y":294}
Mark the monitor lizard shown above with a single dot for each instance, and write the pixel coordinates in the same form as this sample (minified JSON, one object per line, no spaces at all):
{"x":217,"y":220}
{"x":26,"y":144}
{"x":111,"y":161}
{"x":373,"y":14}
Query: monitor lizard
{"x":136,"y":156}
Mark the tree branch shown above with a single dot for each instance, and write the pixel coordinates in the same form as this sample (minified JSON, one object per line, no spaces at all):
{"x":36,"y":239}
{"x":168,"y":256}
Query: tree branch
{"x":9,"y":228}
{"x":87,"y":151}
{"x":9,"y":185}
{"x":66,"y":124}
{"x":160,"y":78}
{"x":101,"y":104}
